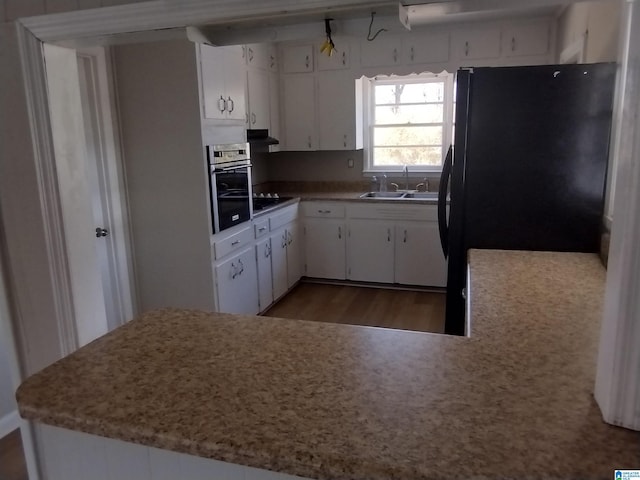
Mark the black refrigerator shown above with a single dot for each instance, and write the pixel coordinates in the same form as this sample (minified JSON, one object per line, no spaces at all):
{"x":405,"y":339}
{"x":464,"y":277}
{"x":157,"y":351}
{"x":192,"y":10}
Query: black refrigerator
{"x":528,"y":167}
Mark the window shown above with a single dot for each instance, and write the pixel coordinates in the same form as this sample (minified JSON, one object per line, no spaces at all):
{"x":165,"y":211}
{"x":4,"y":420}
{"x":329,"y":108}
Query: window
{"x":410,"y":122}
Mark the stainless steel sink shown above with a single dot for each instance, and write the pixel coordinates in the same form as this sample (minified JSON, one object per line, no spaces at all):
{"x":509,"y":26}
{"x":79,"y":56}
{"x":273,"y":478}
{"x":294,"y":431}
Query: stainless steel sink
{"x":422,"y":195}
{"x":382,"y":195}
{"x":402,"y":195}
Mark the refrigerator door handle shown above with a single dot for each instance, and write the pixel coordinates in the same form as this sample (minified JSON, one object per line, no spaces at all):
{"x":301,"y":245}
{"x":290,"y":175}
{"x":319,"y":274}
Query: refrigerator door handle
{"x":442,"y":202}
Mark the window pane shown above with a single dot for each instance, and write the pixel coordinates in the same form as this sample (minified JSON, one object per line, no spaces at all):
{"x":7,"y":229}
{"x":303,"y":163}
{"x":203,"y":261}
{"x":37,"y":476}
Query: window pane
{"x":384,"y":136}
{"x":407,"y":156}
{"x":409,"y":93}
{"x":423,"y":92}
{"x":431,"y":113}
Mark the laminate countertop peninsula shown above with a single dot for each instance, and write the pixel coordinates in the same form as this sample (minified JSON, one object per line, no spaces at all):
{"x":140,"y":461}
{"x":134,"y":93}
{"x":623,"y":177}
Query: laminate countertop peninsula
{"x":333,"y":401}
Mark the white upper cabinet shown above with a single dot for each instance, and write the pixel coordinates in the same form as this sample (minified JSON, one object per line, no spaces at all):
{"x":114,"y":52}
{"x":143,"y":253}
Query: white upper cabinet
{"x":531,"y":38}
{"x":297,"y":59}
{"x":384,"y":51}
{"x":258,"y":101}
{"x":273,"y":57}
{"x":257,"y":55}
{"x":300,"y":112}
{"x":223,"y":95}
{"x":426,"y":47}
{"x":476,"y":43}
{"x":336,"y":112}
{"x":340,"y":59}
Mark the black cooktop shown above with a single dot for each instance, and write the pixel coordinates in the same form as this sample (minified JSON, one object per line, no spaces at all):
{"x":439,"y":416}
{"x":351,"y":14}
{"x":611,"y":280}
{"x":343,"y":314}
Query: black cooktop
{"x":262,"y":203}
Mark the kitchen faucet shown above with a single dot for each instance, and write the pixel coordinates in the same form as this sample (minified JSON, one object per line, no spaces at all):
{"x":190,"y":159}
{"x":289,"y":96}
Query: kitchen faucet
{"x":405,"y":169}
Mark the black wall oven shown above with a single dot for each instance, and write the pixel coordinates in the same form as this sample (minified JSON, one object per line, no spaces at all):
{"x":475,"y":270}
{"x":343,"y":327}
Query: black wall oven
{"x":230,"y":184}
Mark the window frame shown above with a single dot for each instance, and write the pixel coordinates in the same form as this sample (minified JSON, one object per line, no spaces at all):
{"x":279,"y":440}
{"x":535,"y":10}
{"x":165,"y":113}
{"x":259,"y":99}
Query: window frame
{"x":369,"y":125}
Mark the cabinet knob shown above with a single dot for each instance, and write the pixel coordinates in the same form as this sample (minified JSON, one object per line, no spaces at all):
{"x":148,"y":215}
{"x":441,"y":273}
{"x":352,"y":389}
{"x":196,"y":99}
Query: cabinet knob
{"x":405,"y":236}
{"x":231,"y":104}
{"x":344,"y":58}
{"x":306,"y":61}
{"x":250,"y":54}
{"x":411,"y":54}
{"x":388,"y":234}
{"x":339,"y":233}
{"x":253,"y":119}
{"x":513,"y":44}
{"x":222,"y":104}
{"x":309,"y":141}
{"x":395,"y":55}
{"x":466,"y":48}
{"x":344,"y":140}
{"x":101,"y":232}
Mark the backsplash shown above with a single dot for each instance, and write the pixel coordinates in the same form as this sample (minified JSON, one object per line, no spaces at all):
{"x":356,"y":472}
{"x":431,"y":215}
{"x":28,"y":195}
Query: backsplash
{"x":323,"y":171}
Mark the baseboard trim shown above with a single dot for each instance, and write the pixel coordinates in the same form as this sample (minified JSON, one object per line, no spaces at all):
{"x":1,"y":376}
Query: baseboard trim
{"x":9,"y":423}
{"x":386,"y":286}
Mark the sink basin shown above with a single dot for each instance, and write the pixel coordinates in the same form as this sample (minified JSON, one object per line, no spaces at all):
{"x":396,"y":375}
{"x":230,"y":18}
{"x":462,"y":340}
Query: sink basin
{"x":422,"y":195}
{"x":382,"y":195}
{"x":402,"y":195}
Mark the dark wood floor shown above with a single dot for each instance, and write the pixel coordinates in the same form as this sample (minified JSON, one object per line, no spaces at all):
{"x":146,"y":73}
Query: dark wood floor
{"x":405,"y":310}
{"x":12,"y":463}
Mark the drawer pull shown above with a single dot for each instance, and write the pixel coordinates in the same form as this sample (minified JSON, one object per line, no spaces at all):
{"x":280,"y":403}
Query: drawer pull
{"x":262,"y":229}
{"x":324,"y":211}
{"x":233,"y":244}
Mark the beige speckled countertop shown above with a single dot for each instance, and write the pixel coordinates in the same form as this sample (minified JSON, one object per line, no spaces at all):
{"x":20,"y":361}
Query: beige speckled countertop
{"x":339,"y":402}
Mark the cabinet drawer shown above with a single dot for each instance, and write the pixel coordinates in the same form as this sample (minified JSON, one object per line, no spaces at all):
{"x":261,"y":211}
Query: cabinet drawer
{"x":284,"y":217}
{"x":261,"y":227}
{"x":393,"y":212}
{"x":231,"y":243}
{"x":323,"y":209}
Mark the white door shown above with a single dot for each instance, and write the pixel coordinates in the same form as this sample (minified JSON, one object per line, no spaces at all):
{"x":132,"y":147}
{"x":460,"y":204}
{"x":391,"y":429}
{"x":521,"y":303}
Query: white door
{"x":265,"y":282}
{"x":325,"y":248}
{"x":69,"y":145}
{"x":300,"y":112}
{"x":370,"y":252}
{"x":103,"y":185}
{"x":237,"y":282}
{"x":294,"y":254}
{"x":337,"y":112}
{"x":419,"y":257}
{"x":258,"y":87}
{"x":279,"y":263}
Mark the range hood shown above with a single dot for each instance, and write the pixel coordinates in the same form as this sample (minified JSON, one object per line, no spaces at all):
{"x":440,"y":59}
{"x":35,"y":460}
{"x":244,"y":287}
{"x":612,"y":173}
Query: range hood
{"x":260,"y":136}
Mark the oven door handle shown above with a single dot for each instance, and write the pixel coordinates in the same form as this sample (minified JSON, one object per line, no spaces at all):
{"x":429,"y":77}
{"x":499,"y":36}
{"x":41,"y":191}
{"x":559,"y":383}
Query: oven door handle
{"x":227,"y":169}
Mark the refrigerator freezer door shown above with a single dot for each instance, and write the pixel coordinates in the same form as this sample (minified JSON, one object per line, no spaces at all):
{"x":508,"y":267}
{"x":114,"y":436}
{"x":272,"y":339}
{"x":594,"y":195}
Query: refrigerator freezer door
{"x":536,"y":160}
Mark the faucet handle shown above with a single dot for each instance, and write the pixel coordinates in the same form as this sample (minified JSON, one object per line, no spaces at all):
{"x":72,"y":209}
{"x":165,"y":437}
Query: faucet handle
{"x":395,"y":186}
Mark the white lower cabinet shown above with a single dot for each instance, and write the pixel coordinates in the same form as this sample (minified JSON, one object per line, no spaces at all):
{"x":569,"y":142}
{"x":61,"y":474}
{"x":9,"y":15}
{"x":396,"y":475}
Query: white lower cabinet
{"x":265,"y":280}
{"x":325,"y":248}
{"x":370,"y":248}
{"x":384,"y":243}
{"x":285,"y":259}
{"x":237,"y":284}
{"x":418,"y":257}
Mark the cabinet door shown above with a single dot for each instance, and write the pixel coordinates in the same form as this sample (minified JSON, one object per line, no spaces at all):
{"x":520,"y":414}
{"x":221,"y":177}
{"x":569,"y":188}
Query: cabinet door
{"x":237,"y":284}
{"x":526,"y":39}
{"x":258,"y":101}
{"x":299,"y":113}
{"x":294,"y":254}
{"x":370,"y":251}
{"x":279,"y":263}
{"x":297,"y":59}
{"x":384,"y":51}
{"x":213,"y":81}
{"x":477,"y":43}
{"x":257,"y":55}
{"x":336,"y":111}
{"x":274,"y":109}
{"x":265,"y":281}
{"x":234,"y":72}
{"x":419,"y":257}
{"x":340,"y":59}
{"x":427,"y":48}
{"x":325,"y":248}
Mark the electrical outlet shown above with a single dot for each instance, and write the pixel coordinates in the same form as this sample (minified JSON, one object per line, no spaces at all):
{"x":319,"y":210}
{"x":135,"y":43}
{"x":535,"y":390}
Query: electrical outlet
{"x":350,"y":162}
